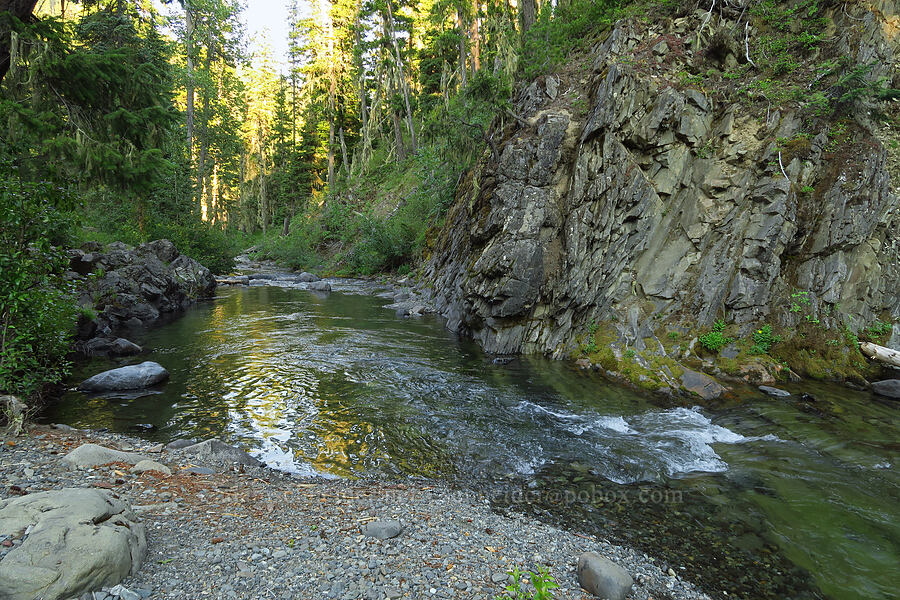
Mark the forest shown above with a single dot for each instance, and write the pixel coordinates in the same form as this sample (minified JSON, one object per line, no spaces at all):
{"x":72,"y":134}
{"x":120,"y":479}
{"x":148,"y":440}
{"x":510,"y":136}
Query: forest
{"x":128,"y":120}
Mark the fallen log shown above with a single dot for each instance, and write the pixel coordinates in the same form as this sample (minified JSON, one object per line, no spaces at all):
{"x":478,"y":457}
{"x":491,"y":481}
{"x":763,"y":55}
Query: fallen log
{"x":880,"y":353}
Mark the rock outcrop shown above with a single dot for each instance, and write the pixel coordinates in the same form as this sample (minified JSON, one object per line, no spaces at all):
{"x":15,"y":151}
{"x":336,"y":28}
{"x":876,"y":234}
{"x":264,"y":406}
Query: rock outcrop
{"x":72,"y":541}
{"x":125,"y":286}
{"x":639,"y":200}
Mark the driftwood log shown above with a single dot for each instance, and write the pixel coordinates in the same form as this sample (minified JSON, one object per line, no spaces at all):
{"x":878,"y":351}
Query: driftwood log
{"x":880,"y":353}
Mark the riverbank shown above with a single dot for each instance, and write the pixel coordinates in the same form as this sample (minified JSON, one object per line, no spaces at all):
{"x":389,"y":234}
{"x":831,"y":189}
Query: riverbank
{"x":258,"y":533}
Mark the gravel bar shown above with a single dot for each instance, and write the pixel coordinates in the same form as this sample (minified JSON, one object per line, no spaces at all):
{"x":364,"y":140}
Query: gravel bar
{"x":260,"y":533}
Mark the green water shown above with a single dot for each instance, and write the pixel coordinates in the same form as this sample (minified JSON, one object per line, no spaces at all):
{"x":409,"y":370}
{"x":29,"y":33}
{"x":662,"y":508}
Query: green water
{"x":764,"y":498}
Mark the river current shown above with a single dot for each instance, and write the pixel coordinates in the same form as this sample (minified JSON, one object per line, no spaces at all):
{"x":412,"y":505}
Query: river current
{"x":761,"y":497}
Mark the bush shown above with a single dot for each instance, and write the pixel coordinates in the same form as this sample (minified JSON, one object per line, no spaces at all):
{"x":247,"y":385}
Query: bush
{"x":37,"y":311}
{"x":763,"y":340}
{"x":715,"y":340}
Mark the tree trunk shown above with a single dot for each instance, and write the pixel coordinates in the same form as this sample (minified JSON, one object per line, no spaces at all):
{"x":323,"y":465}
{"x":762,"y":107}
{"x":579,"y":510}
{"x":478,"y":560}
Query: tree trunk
{"x":363,"y":109}
{"x":21,"y":9}
{"x":881,"y":353}
{"x":402,"y":79}
{"x":344,"y":162}
{"x":462,"y":48}
{"x":529,"y":14}
{"x":189,"y":84}
{"x":332,"y":92}
{"x":476,"y":39}
{"x":202,"y":183}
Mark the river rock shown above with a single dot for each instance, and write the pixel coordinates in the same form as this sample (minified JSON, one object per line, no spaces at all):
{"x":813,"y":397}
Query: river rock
{"x":701,"y":384}
{"x":772,"y":391}
{"x":123,"y":347}
{"x":602,"y":577}
{"x":307,"y":277}
{"x":319,"y":286}
{"x":383,"y":529}
{"x":131,"y":377}
{"x":92,"y":455}
{"x":220,"y":452}
{"x":889,"y":388}
{"x":75,"y":540}
{"x":180,"y":443}
{"x":150,"y":465}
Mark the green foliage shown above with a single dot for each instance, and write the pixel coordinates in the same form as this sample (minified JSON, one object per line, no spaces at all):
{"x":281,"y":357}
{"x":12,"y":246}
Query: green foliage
{"x":557,"y":34}
{"x":715,"y":340}
{"x":37,"y":313}
{"x":763,"y":340}
{"x":541,"y":581}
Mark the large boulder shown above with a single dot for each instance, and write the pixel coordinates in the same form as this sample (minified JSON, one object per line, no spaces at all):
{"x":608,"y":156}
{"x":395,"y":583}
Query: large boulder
{"x":136,"y":285}
{"x":602,"y":577}
{"x":889,"y":388}
{"x":92,"y":455}
{"x":73,"y":541}
{"x":215,"y":451}
{"x":132,"y":377}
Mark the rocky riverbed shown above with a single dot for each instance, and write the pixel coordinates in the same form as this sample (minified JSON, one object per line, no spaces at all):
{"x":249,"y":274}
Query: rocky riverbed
{"x":216,"y":531}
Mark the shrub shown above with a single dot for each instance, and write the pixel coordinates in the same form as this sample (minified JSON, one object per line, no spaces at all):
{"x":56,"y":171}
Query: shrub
{"x":37,"y":311}
{"x":715,"y":340}
{"x":542,"y":582}
{"x":763,"y":340}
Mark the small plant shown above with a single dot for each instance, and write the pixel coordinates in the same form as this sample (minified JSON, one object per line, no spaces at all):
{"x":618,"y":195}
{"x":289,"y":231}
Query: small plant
{"x":763,"y":340}
{"x":630,"y":353}
{"x":799,"y":301}
{"x":878,"y":329}
{"x":715,"y":340}
{"x":673,"y":335}
{"x":542,"y":582}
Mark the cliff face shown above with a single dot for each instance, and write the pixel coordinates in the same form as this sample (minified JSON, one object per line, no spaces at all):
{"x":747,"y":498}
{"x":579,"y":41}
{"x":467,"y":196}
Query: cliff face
{"x":629,"y":193}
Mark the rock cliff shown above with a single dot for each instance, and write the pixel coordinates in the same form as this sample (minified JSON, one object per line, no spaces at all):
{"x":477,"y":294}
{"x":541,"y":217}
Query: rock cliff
{"x":631,"y":193}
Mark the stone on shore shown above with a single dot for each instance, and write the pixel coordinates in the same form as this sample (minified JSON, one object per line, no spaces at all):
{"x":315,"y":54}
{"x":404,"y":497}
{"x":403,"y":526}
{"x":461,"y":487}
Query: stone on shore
{"x":219,"y":452}
{"x":602,"y":577}
{"x":180,"y":443}
{"x":150,"y":465}
{"x":383,"y":529}
{"x":73,"y":541}
{"x":773,"y":391}
{"x":889,"y":388}
{"x":701,"y":384}
{"x":307,"y":277}
{"x":92,"y":455}
{"x":131,"y":377}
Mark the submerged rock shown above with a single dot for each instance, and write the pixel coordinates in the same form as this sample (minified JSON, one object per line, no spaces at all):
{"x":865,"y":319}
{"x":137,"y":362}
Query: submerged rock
{"x":602,"y":577}
{"x":889,"y":388}
{"x":132,"y":377}
{"x":771,"y":391}
{"x":73,"y":541}
{"x":319,"y":286}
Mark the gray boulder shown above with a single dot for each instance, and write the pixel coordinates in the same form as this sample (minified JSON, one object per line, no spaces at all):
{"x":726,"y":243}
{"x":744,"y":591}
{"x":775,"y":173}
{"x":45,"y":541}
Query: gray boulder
{"x":602,"y":577}
{"x":772,"y":391}
{"x":123,"y":347}
{"x":382,"y":530}
{"x":889,"y":388}
{"x":219,"y":452}
{"x":307,"y":277}
{"x":91,"y":455}
{"x":131,"y":377}
{"x":701,"y":384}
{"x":73,"y":541}
{"x":319,"y":286}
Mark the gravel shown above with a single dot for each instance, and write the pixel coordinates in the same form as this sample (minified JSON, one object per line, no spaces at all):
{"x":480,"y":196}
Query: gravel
{"x":245,"y":532}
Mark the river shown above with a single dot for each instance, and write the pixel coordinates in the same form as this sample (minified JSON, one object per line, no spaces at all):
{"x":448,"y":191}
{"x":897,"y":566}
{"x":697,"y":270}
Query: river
{"x":759,"y":497}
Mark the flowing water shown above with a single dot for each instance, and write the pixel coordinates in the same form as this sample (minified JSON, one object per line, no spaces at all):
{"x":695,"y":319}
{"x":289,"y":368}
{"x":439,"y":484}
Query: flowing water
{"x":764,"y":498}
